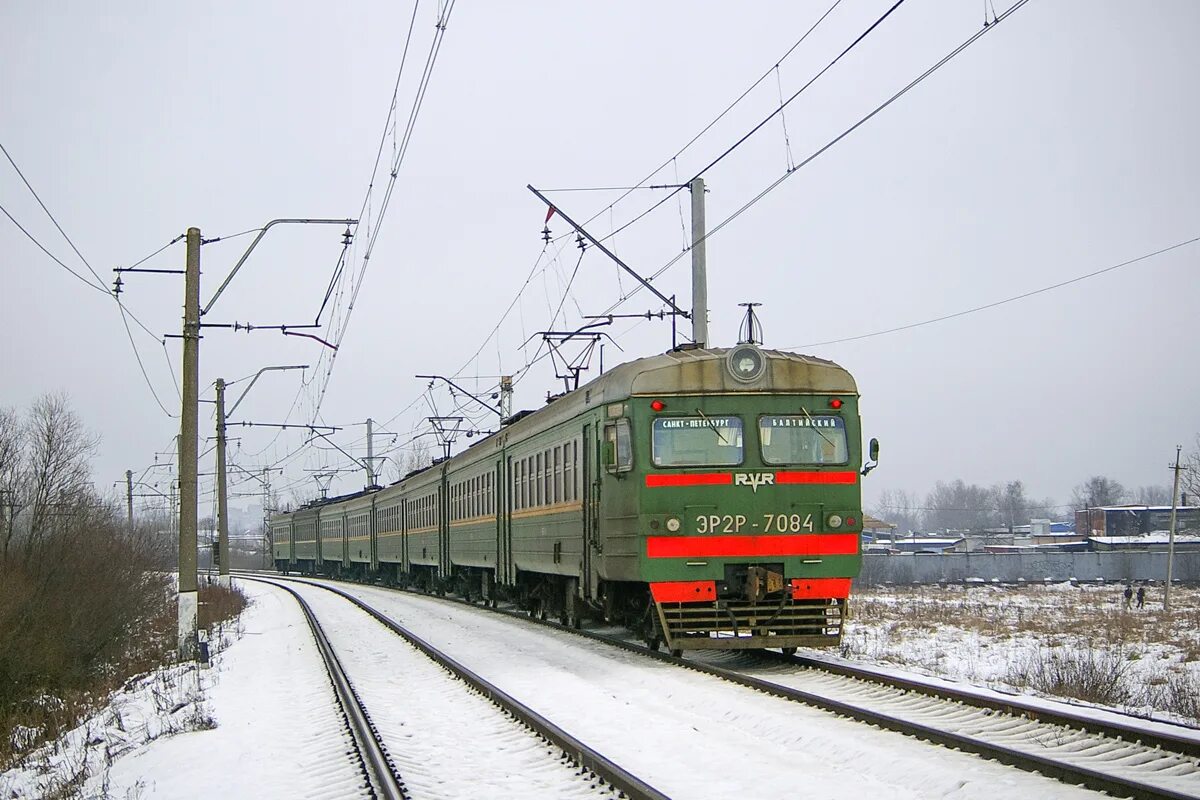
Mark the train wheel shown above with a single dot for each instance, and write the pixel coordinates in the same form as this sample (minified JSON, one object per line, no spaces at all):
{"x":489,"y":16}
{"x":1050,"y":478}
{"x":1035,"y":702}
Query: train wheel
{"x":677,"y":653}
{"x":789,"y":651}
{"x":653,"y":642}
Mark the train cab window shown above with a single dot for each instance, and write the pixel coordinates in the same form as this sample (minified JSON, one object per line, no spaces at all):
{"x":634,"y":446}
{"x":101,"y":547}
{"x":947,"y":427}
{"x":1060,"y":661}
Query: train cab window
{"x":803,"y":439}
{"x":697,"y":441}
{"x":618,"y":447}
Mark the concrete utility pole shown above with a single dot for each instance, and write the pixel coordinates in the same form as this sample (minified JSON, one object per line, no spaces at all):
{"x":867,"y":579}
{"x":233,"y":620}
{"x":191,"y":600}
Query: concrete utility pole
{"x":270,"y":537}
{"x":699,"y":267}
{"x":371,"y":480}
{"x":1171,"y":535}
{"x":129,"y":496}
{"x":222,"y":491}
{"x":222,"y":473}
{"x":506,"y":395}
{"x":189,"y":603}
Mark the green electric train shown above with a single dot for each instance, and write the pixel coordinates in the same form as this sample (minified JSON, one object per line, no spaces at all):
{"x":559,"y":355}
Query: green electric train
{"x":706,"y":498}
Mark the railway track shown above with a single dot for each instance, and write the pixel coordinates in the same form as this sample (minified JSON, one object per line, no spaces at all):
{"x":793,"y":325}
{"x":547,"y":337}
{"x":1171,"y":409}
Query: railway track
{"x":382,"y":777}
{"x":595,"y":774}
{"x":1121,"y":759}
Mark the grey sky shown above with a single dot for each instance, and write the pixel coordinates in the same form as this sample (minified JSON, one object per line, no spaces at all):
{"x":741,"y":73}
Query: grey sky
{"x":1060,"y":143}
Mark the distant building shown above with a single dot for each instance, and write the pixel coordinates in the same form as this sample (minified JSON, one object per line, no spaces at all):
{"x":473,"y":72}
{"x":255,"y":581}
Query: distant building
{"x":1134,"y":520}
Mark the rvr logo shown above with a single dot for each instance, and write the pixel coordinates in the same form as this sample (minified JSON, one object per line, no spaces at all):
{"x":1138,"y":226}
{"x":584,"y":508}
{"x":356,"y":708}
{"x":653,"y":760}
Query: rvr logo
{"x":754,"y":479}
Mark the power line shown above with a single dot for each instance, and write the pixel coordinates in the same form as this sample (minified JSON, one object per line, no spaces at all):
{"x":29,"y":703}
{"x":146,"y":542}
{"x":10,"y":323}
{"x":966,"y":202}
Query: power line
{"x":356,"y":282}
{"x":53,"y":257}
{"x":48,"y":214}
{"x":142,"y":366}
{"x":125,"y":314}
{"x":1012,"y":299}
{"x":789,"y":173}
{"x":642,"y":184}
{"x":768,"y":118}
{"x":706,"y":129}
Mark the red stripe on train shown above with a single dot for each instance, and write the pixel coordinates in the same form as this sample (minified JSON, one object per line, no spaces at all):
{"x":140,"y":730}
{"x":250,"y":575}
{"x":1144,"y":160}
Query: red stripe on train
{"x":820,"y":588}
{"x":684,"y":591}
{"x":691,"y":479}
{"x":816,"y":477}
{"x":804,"y":544}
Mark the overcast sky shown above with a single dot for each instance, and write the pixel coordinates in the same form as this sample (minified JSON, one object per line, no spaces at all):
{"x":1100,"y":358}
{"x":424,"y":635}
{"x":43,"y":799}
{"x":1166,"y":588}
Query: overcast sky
{"x":1062,"y":142}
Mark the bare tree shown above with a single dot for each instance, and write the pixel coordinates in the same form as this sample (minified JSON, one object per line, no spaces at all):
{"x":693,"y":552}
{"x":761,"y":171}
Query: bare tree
{"x":900,"y":508}
{"x":1012,"y":505}
{"x":960,"y":506}
{"x":416,"y":457}
{"x":1189,"y":478}
{"x":12,"y":446}
{"x":56,"y":482}
{"x":1153,"y":495}
{"x":1098,"y":491}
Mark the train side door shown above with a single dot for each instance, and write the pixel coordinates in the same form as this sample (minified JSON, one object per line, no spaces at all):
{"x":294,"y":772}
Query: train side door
{"x":444,"y":526}
{"x":590,"y":536}
{"x":504,"y":518}
{"x":405,"y":564}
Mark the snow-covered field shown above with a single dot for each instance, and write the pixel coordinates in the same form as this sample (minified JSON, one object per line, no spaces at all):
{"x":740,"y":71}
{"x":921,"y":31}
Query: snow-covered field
{"x":1063,"y":640}
{"x":255,"y":723}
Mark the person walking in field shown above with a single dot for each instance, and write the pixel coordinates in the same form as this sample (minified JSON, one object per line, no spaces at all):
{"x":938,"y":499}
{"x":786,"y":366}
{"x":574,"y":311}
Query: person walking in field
{"x":1128,"y":596}
{"x":1141,"y":597}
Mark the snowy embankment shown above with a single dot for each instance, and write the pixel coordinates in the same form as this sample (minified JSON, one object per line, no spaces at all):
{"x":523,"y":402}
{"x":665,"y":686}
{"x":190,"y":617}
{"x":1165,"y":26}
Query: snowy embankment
{"x":1078,"y":643}
{"x":252,"y":725}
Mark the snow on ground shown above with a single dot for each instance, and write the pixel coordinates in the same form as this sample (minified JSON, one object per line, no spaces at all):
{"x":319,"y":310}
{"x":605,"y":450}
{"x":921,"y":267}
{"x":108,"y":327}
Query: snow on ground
{"x":689,"y":734}
{"x":692,"y":735}
{"x":267,"y":696}
{"x":1062,"y":640}
{"x":447,"y":740}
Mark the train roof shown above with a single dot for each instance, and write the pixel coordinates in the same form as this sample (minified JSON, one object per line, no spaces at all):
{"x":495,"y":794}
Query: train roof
{"x":687,"y":371}
{"x":693,"y":371}
{"x":677,"y":372}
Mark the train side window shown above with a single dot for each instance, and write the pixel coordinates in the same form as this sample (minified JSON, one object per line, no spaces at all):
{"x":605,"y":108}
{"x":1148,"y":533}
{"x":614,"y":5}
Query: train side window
{"x":618,"y":447}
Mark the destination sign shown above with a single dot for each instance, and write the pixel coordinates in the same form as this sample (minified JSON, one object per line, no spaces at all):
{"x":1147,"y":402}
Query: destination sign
{"x":697,"y":422}
{"x":803,"y":422}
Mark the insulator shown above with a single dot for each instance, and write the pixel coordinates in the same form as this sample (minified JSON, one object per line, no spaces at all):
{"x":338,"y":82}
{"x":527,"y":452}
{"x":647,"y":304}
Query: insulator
{"x":580,"y":242}
{"x":546,"y":234}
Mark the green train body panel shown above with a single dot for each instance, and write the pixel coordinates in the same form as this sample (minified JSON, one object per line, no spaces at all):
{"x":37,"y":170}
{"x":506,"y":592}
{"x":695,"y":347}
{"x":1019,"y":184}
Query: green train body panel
{"x":556,"y":493}
{"x":747,"y":509}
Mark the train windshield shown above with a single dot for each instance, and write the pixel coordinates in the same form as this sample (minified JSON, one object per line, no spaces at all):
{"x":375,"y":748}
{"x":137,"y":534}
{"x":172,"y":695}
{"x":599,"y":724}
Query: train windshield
{"x":803,"y":440}
{"x":697,"y":441}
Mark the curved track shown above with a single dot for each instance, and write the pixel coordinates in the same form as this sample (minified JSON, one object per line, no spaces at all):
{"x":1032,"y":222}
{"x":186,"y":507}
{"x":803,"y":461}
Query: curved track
{"x":384,"y":780}
{"x":1122,"y":759}
{"x":608,"y":773}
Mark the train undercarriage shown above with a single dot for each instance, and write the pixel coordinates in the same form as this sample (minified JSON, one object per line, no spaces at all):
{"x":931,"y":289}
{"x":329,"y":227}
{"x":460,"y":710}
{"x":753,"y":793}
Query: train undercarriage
{"x":754,"y":608}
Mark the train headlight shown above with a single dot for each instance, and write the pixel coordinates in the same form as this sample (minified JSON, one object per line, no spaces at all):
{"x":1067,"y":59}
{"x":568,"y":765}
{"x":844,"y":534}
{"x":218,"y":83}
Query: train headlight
{"x":746,"y":363}
{"x":835,"y":521}
{"x":673,"y":524}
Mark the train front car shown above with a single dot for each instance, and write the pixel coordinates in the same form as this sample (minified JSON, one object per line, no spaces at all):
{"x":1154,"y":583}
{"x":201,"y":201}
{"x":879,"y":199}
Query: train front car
{"x":746,"y":469}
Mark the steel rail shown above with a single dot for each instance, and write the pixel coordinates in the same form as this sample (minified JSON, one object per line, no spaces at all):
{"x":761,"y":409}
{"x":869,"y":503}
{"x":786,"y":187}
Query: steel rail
{"x":1030,"y":762}
{"x":1013,"y":706}
{"x":583,"y":755}
{"x":377,"y":765}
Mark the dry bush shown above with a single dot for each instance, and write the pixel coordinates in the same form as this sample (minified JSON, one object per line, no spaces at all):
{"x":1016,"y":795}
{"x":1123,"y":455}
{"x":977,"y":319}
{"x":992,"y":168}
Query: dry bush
{"x":82,"y":613}
{"x":219,"y":604}
{"x":1092,"y":674}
